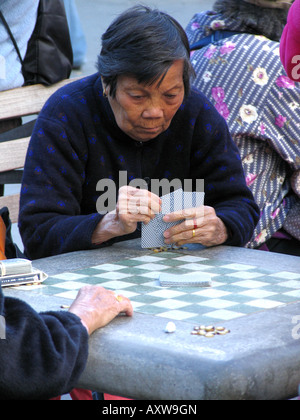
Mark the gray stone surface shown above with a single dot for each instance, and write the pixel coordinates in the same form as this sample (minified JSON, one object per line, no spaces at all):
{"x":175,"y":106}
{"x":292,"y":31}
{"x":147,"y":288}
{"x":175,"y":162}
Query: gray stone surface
{"x":135,"y":358}
{"x":129,"y":249}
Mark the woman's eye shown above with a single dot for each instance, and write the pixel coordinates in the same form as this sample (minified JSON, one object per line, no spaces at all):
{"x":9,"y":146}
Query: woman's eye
{"x":137,"y":96}
{"x":169,"y":96}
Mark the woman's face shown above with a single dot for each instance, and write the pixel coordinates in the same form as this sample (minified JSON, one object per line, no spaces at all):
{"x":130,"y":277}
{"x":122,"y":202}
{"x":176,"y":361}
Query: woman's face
{"x":145,"y":111}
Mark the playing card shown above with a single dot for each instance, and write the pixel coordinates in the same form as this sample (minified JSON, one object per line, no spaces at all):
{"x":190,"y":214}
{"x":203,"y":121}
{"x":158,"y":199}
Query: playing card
{"x":196,"y":279}
{"x":152,"y":233}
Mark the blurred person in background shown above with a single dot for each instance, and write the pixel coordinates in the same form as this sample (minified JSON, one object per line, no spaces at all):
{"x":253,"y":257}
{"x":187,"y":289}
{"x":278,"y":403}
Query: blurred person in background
{"x":236,"y":59}
{"x":78,"y":39}
{"x":21,"y":17}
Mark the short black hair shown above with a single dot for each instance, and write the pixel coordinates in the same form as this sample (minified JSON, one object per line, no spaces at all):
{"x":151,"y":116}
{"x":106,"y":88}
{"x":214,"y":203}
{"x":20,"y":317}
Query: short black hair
{"x":143,"y":42}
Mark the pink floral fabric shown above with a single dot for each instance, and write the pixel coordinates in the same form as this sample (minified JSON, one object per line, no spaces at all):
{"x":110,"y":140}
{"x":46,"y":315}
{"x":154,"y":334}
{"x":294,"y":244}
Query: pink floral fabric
{"x":290,"y":43}
{"x":243,"y":77}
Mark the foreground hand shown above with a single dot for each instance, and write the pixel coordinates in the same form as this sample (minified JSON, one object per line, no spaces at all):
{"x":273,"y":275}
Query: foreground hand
{"x":96,"y":307}
{"x":201,"y":225}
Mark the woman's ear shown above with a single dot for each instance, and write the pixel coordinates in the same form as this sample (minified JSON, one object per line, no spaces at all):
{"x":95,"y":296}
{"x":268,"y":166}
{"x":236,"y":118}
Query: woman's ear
{"x":105,"y":91}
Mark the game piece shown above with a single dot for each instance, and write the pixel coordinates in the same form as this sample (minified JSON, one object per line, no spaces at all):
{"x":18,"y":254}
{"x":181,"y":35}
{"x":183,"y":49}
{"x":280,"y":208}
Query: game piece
{"x":209,"y":331}
{"x":170,"y":327}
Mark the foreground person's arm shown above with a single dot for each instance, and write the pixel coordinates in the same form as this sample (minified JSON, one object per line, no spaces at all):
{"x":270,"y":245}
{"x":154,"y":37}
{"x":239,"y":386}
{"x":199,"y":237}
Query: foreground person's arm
{"x":43,"y":355}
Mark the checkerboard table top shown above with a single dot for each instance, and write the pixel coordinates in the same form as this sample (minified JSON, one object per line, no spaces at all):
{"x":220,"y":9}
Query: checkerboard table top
{"x":237,"y":289}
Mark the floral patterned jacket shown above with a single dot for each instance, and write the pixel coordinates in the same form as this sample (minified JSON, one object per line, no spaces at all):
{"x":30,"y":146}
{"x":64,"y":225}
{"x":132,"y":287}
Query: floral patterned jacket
{"x":243,"y":76}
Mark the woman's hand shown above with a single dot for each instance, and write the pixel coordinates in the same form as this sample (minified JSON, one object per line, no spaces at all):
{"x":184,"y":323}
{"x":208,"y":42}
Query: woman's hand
{"x":96,"y":307}
{"x":134,"y":205}
{"x":201,"y":225}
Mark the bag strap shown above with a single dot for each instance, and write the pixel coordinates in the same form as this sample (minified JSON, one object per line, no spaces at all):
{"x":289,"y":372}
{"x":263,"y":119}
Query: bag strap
{"x":211,"y":39}
{"x":11,"y":36}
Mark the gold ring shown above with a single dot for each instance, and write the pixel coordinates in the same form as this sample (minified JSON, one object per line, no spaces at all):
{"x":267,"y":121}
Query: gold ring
{"x":118,"y":297}
{"x":194,"y":233}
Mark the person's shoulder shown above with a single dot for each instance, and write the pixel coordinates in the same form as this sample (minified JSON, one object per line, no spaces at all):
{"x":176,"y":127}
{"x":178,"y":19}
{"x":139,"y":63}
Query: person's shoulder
{"x":198,"y":104}
{"x":196,"y":97}
{"x":73,"y":95}
{"x":76,"y":87}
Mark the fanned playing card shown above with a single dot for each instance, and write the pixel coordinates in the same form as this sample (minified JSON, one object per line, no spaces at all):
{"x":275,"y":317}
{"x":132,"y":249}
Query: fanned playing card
{"x":152,"y":233}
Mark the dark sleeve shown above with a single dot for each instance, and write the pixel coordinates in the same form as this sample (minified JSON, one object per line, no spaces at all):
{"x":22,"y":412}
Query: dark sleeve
{"x":217,"y":160}
{"x":41,"y":355}
{"x":51,"y":221}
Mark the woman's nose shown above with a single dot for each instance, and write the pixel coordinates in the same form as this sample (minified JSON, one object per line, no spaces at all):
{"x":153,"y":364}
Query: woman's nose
{"x":153,"y":110}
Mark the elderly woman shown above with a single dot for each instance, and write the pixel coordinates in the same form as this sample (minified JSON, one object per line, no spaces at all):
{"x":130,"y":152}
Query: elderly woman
{"x":136,"y":115}
{"x":240,"y":71}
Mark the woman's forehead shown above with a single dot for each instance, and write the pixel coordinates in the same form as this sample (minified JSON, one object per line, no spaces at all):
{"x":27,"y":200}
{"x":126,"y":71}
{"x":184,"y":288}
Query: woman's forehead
{"x":172,"y":78}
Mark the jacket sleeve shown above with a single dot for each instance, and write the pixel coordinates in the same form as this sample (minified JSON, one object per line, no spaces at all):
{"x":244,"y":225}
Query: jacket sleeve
{"x":41,"y":355}
{"x":51,"y":221}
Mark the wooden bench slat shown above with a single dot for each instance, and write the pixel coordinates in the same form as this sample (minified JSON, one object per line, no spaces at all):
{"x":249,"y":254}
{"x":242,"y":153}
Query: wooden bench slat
{"x":27,"y":100}
{"x":20,"y":102}
{"x":12,"y":154}
{"x":13,"y":204}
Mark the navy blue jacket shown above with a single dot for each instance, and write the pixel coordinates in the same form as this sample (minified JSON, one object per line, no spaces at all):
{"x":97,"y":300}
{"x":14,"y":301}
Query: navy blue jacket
{"x":76,"y":142}
{"x":41,"y":355}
